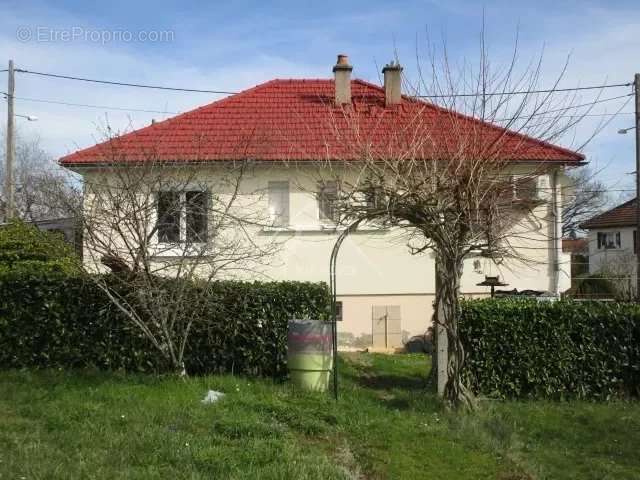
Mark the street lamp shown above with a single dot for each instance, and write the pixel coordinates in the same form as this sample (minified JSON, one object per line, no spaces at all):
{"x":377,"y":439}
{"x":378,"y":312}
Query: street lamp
{"x":9,"y":186}
{"x":624,"y":131}
{"x":31,"y":118}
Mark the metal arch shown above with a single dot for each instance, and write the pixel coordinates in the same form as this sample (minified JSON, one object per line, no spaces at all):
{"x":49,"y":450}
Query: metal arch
{"x":332,"y":286}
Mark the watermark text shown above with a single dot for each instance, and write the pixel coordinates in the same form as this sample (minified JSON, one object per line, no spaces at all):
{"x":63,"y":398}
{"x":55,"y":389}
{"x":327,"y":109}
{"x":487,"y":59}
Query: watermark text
{"x":45,"y":34}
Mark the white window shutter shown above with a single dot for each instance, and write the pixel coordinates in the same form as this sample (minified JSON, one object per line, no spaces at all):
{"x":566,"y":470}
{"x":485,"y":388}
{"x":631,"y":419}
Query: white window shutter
{"x":279,"y":203}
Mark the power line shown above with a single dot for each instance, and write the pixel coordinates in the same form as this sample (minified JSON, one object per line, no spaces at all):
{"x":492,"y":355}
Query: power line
{"x":124,"y":84}
{"x":618,"y":97}
{"x":106,"y":107}
{"x":573,"y":107}
{"x":526,"y":92}
{"x":197,"y":90}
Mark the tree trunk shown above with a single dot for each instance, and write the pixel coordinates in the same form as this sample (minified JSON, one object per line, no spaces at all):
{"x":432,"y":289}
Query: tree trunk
{"x":449,"y":273}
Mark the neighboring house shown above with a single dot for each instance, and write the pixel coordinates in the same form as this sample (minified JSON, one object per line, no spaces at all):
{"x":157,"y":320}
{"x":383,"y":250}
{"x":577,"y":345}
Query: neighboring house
{"x":381,"y":286}
{"x":65,"y":226}
{"x":612,"y":241}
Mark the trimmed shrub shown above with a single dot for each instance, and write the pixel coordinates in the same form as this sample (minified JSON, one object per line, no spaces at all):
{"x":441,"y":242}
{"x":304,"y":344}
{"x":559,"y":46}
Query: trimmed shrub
{"x":25,"y":248}
{"x":527,"y":349}
{"x":55,"y":320}
{"x":593,"y":286}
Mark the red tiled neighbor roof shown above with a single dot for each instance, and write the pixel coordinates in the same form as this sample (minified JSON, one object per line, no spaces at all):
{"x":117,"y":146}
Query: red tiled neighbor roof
{"x":621,"y":216}
{"x":575,"y":245}
{"x":297,"y":120}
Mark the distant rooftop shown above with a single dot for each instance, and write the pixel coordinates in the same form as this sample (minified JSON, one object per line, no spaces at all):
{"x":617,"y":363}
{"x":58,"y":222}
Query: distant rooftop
{"x":621,"y":216}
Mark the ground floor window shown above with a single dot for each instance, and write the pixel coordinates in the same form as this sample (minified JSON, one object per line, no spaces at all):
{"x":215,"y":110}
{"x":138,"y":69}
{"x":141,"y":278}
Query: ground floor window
{"x":182,"y":216}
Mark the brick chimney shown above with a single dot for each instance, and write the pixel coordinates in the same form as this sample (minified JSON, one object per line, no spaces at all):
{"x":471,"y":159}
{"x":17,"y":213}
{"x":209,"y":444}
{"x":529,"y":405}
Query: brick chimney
{"x":392,"y":83}
{"x":342,"y":72}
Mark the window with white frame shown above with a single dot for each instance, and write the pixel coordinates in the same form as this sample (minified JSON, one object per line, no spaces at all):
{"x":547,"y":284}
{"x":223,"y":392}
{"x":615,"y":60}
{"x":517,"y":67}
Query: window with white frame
{"x":608,"y":240}
{"x":183,"y":216}
{"x":279,"y":203}
{"x":525,"y":187}
{"x":327,"y":197}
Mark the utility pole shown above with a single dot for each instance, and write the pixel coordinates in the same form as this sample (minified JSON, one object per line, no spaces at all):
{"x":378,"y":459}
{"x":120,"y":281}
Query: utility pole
{"x":9,"y":185}
{"x":636,"y":87}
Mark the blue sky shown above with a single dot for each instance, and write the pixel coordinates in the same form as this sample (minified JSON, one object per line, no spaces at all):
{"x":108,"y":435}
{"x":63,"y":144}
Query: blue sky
{"x":235,"y":45}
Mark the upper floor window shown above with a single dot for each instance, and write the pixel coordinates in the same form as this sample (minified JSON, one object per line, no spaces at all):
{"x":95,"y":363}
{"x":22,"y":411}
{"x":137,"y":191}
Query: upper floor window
{"x":608,"y":240}
{"x":327,"y":197}
{"x":279,"y":203}
{"x":183,"y":216}
{"x":525,"y":188}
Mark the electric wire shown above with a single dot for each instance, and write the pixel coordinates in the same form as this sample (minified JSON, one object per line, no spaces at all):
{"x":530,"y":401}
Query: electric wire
{"x":528,"y":92}
{"x":106,"y":107}
{"x":119,"y":108}
{"x":226,"y":92}
{"x":123,"y":84}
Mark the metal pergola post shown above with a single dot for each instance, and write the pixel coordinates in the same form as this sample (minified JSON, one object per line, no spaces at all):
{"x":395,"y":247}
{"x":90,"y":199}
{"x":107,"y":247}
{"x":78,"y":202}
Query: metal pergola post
{"x":333,"y":260}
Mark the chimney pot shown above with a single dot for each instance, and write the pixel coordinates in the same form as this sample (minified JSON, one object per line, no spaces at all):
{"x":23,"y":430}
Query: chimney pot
{"x":342,"y":75}
{"x":392,"y":83}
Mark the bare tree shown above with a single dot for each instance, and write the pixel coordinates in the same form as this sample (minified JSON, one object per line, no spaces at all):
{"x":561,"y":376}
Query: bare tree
{"x":619,"y":271}
{"x":43,"y":189}
{"x":587,"y":197}
{"x":161,"y":227}
{"x":454,"y":173}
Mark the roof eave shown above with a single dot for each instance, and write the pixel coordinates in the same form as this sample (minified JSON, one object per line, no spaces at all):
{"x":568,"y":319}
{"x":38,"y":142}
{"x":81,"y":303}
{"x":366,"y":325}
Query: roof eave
{"x":75,"y":165}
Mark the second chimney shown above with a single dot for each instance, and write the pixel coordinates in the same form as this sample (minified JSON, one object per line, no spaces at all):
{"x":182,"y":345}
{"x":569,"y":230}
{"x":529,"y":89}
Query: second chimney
{"x":342,"y":72}
{"x":392,"y":83}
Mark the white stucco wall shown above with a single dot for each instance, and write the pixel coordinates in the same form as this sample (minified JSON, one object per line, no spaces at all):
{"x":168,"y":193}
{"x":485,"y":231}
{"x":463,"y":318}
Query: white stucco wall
{"x":375,"y":267}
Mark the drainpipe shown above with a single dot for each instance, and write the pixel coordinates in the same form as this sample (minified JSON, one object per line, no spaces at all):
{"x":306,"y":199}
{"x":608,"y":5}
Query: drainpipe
{"x":556,"y":229}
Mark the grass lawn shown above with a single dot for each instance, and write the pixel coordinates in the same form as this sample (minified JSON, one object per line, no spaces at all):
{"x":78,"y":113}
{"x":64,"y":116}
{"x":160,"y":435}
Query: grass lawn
{"x":97,"y":425}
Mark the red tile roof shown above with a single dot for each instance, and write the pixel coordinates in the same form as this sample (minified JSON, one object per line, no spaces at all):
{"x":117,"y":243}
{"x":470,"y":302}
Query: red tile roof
{"x":297,"y":120}
{"x":621,"y":216}
{"x":575,"y":245}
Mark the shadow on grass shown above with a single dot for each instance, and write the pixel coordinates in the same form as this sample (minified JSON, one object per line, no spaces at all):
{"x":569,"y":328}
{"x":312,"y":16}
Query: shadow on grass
{"x":396,"y":390}
{"x":380,"y":381}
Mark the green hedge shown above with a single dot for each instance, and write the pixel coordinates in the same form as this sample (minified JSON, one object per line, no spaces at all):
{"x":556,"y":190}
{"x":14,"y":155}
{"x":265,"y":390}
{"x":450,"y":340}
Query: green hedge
{"x":27,"y":249}
{"x":529,"y":349}
{"x":55,"y":320}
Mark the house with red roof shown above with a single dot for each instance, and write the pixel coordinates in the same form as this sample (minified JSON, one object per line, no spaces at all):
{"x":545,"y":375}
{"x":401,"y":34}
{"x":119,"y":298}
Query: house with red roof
{"x":612,"y":241}
{"x":290,"y":128}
